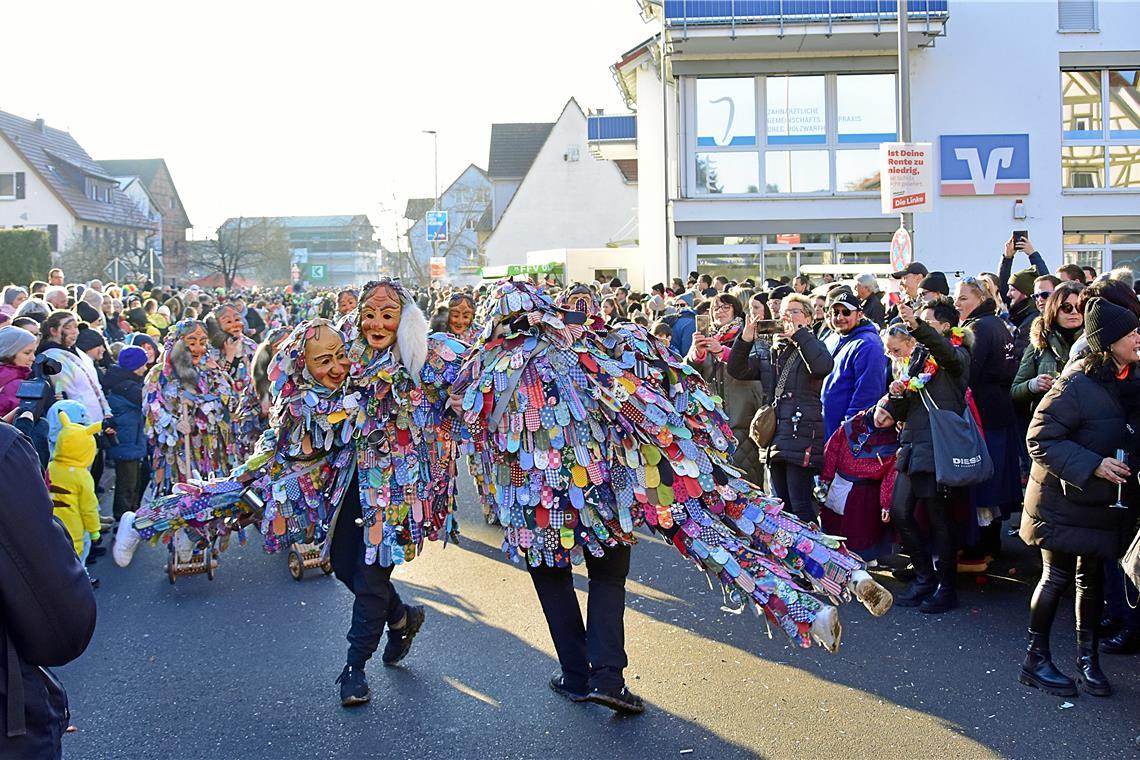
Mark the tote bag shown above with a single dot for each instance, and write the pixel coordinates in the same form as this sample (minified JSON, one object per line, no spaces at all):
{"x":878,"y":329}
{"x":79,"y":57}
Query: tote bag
{"x":960,"y":454}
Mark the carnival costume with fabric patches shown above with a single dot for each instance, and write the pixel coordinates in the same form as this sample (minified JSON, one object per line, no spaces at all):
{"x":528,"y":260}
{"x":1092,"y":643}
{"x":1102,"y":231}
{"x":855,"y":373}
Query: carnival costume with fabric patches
{"x":405,"y":448}
{"x":299,"y":471}
{"x":586,"y":432}
{"x":245,"y":415}
{"x":197,"y":396}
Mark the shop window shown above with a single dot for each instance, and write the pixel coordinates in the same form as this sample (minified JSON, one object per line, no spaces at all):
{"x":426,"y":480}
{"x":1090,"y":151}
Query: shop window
{"x":1100,"y":123}
{"x":731,"y":173}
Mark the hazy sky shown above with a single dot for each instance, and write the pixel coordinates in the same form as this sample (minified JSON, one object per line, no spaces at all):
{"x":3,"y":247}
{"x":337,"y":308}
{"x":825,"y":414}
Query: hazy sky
{"x":282,"y":108}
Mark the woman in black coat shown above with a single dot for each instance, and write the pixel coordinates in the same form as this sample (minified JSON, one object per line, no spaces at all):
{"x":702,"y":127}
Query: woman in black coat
{"x":946,"y":388}
{"x":993,"y":366}
{"x":795,"y":455}
{"x":1073,"y":439}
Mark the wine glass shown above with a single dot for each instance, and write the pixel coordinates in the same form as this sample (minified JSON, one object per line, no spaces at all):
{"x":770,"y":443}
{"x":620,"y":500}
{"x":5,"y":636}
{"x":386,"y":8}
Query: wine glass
{"x":1122,"y":456}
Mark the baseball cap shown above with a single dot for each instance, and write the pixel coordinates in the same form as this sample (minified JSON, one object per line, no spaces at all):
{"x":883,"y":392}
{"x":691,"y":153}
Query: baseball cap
{"x":913,"y":267}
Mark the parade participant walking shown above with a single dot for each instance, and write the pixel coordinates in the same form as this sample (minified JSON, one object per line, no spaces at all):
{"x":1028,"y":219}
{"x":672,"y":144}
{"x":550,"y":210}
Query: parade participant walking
{"x":461,"y":318}
{"x":1073,"y":439}
{"x":404,"y":487}
{"x":187,"y":401}
{"x":234,"y":353}
{"x":593,"y":430}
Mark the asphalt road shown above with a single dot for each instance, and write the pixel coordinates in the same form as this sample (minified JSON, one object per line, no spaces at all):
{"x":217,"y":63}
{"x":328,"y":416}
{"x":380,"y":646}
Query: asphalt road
{"x":243,"y":667}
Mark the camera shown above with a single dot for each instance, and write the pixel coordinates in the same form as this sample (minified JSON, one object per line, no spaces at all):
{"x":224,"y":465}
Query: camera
{"x":36,"y":394}
{"x":769,"y":326}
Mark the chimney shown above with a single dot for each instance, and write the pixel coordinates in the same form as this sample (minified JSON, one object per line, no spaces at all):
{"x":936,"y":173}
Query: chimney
{"x":40,"y":127}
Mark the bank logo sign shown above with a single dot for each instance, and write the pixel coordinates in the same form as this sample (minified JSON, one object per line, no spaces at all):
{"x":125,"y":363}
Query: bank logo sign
{"x":984,"y":164}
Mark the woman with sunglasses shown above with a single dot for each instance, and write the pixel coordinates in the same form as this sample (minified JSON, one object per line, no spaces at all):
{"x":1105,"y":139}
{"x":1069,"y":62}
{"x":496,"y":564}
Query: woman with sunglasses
{"x":1051,"y":338}
{"x":992,"y":369}
{"x":709,"y":355}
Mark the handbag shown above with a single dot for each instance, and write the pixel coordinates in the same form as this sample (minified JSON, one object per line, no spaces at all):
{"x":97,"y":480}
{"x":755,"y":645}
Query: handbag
{"x":1131,"y":564}
{"x":763,"y":427}
{"x":960,"y":454}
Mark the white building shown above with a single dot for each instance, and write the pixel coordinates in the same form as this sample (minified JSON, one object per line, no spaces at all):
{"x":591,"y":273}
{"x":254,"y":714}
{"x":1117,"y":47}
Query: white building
{"x":758,"y":148}
{"x":567,"y":199}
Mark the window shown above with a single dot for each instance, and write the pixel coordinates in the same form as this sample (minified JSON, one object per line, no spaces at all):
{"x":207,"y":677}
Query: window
{"x":820,"y":133}
{"x":470,"y":221}
{"x":8,"y":186}
{"x":1076,"y":16}
{"x":1100,"y":123}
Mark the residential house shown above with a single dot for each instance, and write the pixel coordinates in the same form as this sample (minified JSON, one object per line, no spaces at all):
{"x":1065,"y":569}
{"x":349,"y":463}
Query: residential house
{"x":513,"y":150}
{"x":568,"y":199}
{"x":49,"y":182}
{"x":148,"y":206}
{"x":155,"y":175}
{"x":467,"y":201}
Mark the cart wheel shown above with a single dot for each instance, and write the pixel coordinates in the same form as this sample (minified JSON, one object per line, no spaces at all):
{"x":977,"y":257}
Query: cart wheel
{"x":170,"y":574}
{"x":209,"y":558}
{"x":326,"y":567}
{"x":296,"y":565}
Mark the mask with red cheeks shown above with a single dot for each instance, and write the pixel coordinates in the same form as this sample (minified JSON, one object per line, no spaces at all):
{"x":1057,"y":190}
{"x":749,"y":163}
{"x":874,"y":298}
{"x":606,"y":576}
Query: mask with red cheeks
{"x":459,"y":317}
{"x":380,"y":317}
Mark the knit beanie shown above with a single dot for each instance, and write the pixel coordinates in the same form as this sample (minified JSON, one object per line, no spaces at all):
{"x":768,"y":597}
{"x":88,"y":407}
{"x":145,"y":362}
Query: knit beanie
{"x":1106,"y":323}
{"x":89,"y":339}
{"x":131,"y":358}
{"x":12,"y":342}
{"x":935,"y":282}
{"x":1023,"y":281}
{"x":87,"y":313}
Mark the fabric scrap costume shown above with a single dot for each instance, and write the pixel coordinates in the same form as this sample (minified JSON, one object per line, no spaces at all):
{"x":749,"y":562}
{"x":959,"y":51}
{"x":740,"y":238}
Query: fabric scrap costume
{"x":187,"y":401}
{"x":404,"y":486}
{"x":591,"y":431}
{"x":302,"y":466}
{"x":234,"y":352}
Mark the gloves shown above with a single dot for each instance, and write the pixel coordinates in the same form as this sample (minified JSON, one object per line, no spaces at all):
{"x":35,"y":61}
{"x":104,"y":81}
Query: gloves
{"x":95,"y":536}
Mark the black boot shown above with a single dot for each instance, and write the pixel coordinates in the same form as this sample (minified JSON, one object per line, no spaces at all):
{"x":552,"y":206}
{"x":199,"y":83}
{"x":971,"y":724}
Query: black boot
{"x":1039,"y":671}
{"x":923,"y":586}
{"x":944,"y":599}
{"x":1089,"y":675}
{"x":1124,"y":641}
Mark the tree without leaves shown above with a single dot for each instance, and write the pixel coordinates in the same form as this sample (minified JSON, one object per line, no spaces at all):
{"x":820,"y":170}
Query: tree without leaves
{"x":245,"y":244}
{"x":95,"y":256}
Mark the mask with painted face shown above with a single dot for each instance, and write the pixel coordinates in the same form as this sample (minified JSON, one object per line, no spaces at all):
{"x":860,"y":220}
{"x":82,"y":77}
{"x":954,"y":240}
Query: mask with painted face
{"x":230,"y":320}
{"x":196,"y":342}
{"x":325,"y":357}
{"x":380,"y":316}
{"x":460,"y":315}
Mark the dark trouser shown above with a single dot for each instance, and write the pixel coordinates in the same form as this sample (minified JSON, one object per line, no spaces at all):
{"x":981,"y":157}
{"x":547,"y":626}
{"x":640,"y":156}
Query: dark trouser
{"x":97,"y":465}
{"x":1058,"y":570}
{"x":376,"y":601}
{"x":940,"y":517}
{"x":592,"y":656}
{"x":1118,"y":592}
{"x":793,"y":485}
{"x":128,"y":480}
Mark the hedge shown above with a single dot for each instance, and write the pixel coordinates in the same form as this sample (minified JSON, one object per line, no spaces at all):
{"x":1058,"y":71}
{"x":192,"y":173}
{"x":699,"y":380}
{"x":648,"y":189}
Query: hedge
{"x":25,"y":255}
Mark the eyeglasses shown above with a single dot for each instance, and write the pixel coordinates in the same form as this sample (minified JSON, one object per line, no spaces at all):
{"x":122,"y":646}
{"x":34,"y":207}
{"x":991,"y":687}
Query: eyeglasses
{"x":721,"y":305}
{"x":1069,"y":308}
{"x":793,"y":312}
{"x":840,"y":311}
{"x":1041,"y":295}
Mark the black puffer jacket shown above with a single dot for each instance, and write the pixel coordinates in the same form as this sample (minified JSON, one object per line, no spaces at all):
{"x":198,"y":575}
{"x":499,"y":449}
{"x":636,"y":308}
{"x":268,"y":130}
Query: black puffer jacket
{"x":1021,"y":316}
{"x":947,"y":390}
{"x":797,"y":441}
{"x":993,"y":366}
{"x":1081,"y":420}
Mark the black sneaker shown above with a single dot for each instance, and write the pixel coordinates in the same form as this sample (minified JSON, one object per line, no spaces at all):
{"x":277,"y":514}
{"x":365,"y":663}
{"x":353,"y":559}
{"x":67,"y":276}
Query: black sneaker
{"x":353,"y":686}
{"x":400,"y":639}
{"x":622,"y":700}
{"x":558,"y":686}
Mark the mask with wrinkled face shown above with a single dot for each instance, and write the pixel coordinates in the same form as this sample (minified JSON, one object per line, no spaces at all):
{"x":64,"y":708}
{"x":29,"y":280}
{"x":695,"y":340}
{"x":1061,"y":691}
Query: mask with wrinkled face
{"x":460,"y":317}
{"x":380,"y":317}
{"x":325,"y":358}
{"x":230,"y":321}
{"x":196,"y":343}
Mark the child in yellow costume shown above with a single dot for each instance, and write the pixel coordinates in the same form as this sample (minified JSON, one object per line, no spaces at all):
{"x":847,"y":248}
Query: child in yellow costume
{"x":71,"y":485}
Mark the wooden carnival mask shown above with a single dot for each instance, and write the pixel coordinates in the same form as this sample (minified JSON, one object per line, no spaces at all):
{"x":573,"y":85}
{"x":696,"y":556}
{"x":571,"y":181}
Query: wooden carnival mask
{"x":229,"y":319}
{"x":326,"y":359}
{"x":380,"y":316}
{"x":460,"y":315}
{"x":196,"y":343}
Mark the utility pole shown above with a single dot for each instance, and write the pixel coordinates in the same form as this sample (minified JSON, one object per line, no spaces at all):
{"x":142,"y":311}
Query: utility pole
{"x":906,"y":219}
{"x":435,"y":201}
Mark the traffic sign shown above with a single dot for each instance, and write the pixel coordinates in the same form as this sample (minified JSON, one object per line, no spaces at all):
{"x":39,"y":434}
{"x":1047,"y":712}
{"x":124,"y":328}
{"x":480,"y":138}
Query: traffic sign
{"x":436,"y":226}
{"x":901,"y":251}
{"x":317,"y":272}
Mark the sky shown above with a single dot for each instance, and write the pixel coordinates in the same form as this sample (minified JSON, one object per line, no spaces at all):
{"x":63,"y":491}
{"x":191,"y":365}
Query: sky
{"x":298,"y":108}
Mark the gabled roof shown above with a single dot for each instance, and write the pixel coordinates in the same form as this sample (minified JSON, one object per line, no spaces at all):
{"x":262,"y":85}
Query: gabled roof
{"x":625,"y":70}
{"x":146,"y":169}
{"x":514,"y":147}
{"x":417,"y":207}
{"x":628,"y":167}
{"x":63,"y":165}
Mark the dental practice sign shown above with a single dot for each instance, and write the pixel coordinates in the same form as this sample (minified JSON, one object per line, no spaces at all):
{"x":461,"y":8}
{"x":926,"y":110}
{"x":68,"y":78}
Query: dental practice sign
{"x":906,"y":172}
